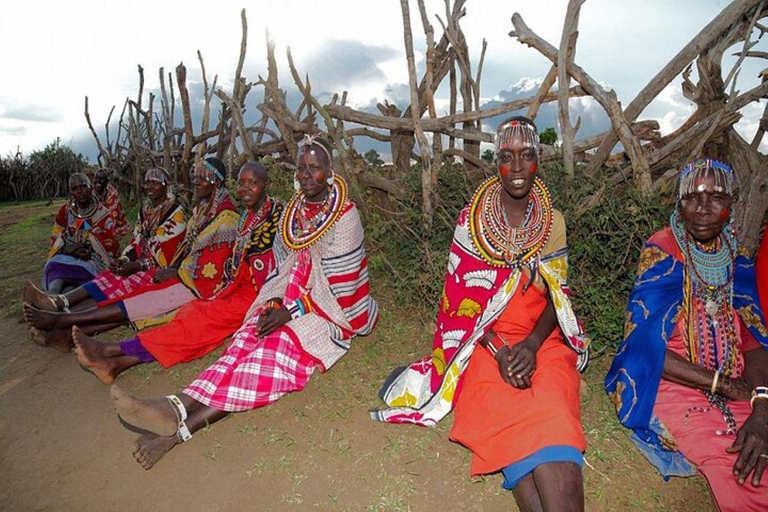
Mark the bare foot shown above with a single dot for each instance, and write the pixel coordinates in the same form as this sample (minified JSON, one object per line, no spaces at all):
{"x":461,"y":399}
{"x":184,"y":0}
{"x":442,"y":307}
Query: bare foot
{"x":39,"y":299}
{"x":58,"y":338}
{"x":91,"y":355}
{"x":154,"y":415}
{"x":150,"y":448}
{"x":45,"y":320}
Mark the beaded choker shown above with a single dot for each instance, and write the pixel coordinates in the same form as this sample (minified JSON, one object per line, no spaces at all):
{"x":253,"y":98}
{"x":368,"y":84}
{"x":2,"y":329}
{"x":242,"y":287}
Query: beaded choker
{"x":500,"y":244}
{"x":301,"y":229}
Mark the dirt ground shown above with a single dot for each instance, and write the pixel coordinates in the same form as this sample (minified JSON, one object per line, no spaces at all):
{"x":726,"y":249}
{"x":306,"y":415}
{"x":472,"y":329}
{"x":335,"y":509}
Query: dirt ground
{"x":63,"y":448}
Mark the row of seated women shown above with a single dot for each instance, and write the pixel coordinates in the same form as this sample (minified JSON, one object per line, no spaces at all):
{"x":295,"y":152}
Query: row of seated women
{"x":689,"y":379}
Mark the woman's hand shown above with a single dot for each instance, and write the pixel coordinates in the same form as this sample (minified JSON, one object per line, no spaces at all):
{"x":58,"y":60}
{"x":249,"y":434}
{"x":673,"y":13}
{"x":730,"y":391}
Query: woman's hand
{"x":77,"y":250}
{"x":164,"y":274}
{"x":517,"y":363}
{"x":271,"y":319}
{"x":129,"y":268}
{"x":752,"y":443}
{"x":735,"y":389}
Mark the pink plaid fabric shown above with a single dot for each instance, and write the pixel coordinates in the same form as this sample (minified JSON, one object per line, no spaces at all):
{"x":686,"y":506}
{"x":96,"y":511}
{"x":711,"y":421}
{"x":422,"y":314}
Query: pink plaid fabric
{"x":253,"y":372}
{"x":115,"y":287}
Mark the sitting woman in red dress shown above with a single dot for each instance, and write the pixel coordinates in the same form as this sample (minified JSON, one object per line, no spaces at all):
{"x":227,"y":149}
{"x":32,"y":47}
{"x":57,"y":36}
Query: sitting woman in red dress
{"x":202,"y":325}
{"x":302,"y":321}
{"x":691,"y":376}
{"x":508,"y":347}
{"x":148,"y":294}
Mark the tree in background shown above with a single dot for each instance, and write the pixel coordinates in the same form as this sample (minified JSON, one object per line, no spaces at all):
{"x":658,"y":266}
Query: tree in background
{"x":42,"y":175}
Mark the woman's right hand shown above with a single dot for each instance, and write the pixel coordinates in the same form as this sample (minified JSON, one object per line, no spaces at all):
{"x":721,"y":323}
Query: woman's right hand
{"x":735,"y":389}
{"x":129,"y":268}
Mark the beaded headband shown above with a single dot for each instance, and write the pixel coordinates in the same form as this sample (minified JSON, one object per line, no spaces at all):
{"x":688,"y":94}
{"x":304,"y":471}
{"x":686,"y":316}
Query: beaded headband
{"x":312,"y":141}
{"x":701,"y":168}
{"x":213,"y":173}
{"x":157,"y":174}
{"x":517,"y":129}
{"x":82,"y":177}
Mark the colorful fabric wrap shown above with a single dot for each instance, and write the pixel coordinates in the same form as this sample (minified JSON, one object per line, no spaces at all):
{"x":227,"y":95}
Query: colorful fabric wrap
{"x":208,"y":245}
{"x":337,"y":290}
{"x":474,"y":295}
{"x":655,"y":305}
{"x":157,"y":236}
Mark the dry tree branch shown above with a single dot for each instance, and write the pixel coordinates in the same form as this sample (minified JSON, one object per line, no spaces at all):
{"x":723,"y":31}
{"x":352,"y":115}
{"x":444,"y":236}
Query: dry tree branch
{"x":565,"y":58}
{"x":607,"y":100}
{"x":714,"y":29}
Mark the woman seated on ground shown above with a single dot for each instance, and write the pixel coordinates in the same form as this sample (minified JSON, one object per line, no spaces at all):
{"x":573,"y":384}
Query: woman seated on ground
{"x":151,"y":295}
{"x":110,"y":199}
{"x":83,"y":242}
{"x":202,"y":325}
{"x":505,"y":294}
{"x":303,"y":319}
{"x":689,"y":377}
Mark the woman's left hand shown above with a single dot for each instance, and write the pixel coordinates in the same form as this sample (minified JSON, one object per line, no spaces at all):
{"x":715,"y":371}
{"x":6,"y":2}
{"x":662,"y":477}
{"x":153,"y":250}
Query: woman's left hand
{"x":165,"y":274}
{"x":752,"y":442}
{"x":521,"y":363}
{"x":272,"y":319}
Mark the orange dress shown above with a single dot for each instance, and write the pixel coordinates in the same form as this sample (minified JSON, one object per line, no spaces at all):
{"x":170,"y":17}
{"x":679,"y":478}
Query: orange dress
{"x":501,"y":424}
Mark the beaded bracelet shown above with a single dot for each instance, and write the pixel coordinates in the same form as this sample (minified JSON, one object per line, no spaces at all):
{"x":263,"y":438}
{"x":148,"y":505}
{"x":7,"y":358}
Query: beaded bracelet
{"x":713,"y":389}
{"x":492,"y":348}
{"x":759,"y":393}
{"x":273,"y":304}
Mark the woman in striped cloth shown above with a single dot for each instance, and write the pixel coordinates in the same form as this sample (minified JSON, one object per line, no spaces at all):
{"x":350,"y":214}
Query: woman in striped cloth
{"x":303,"y":318}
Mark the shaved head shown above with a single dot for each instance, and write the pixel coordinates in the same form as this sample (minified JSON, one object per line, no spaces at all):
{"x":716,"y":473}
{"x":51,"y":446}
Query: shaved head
{"x":257,"y":168}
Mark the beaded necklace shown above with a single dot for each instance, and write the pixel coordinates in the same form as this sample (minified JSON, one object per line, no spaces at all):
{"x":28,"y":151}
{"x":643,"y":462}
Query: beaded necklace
{"x":500,"y":244}
{"x":708,"y":295}
{"x":708,"y":302}
{"x":152,"y":215}
{"x":87,"y":212}
{"x":301,"y":229}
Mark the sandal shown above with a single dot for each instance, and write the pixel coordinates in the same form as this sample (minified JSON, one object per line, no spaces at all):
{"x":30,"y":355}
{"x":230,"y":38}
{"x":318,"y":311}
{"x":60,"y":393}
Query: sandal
{"x":181,"y":415}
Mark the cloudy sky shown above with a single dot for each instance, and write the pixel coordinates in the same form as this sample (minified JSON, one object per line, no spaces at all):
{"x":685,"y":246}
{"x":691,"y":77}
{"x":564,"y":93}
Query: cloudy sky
{"x":55,"y":53}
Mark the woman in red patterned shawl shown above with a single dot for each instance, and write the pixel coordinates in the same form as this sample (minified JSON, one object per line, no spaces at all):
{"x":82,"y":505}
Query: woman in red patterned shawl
{"x":302,"y":320}
{"x":107,"y":194}
{"x":202,"y":325}
{"x":149,"y":294}
{"x":83,"y":241}
{"x":507,"y":345}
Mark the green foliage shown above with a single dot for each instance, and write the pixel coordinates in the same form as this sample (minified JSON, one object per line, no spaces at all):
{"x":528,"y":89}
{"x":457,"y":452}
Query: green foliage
{"x":548,"y":136}
{"x":42,"y":175}
{"x":604,"y":244}
{"x":373,"y":158}
{"x":487,"y":156}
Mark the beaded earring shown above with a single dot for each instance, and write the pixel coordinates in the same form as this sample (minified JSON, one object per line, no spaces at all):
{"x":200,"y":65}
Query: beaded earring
{"x":329,"y":180}
{"x":296,"y":185}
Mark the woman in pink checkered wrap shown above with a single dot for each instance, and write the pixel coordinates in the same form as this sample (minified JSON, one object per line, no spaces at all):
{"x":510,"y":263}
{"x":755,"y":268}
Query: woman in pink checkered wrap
{"x":302,"y":320}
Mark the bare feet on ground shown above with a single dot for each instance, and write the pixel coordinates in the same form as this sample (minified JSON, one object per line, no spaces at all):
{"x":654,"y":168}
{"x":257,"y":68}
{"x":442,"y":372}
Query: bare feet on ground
{"x":154,"y":415}
{"x":45,"y":320}
{"x":58,"y":338}
{"x":91,"y":355}
{"x":150,"y":448}
{"x":38,"y":298}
